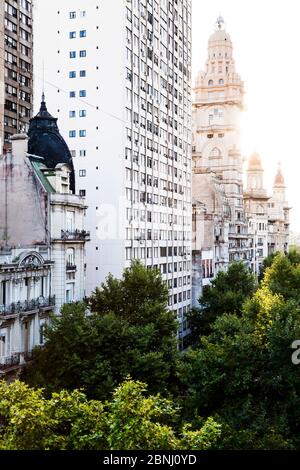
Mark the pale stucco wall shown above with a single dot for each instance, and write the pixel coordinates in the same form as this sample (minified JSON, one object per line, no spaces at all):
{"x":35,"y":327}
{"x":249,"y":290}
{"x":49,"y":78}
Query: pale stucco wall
{"x":25,"y":204}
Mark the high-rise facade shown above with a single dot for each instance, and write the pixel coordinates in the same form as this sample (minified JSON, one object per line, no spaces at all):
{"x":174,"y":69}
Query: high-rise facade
{"x":121,"y":86}
{"x":16,"y":55}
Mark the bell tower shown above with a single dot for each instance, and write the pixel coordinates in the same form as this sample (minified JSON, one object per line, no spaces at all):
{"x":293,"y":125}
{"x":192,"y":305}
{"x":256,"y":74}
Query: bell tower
{"x":218,"y":103}
{"x":255,"y":174}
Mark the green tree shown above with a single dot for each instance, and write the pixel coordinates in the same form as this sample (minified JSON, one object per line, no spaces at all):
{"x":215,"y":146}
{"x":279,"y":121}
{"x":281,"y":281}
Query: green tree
{"x":267,"y":262}
{"x":66,"y":421}
{"x":242,"y":374}
{"x":138,"y":297}
{"x":226,"y":294}
{"x":283,"y":277}
{"x":130,"y":332}
{"x":131,"y":420}
{"x":155,"y":419}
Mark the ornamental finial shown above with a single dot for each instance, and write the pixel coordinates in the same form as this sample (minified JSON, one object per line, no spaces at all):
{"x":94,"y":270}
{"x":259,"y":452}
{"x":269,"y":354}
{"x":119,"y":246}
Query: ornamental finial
{"x":220,"y":21}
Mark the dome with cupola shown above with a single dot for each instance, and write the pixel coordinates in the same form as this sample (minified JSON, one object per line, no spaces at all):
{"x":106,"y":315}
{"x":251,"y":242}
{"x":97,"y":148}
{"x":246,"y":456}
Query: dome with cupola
{"x":255,"y":162}
{"x":46,"y":141}
{"x":279,"y":180}
{"x":220,"y":37}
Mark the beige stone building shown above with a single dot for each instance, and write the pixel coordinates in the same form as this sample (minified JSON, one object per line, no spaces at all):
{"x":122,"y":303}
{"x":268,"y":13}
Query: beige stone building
{"x":268,"y":216}
{"x":211,"y":217}
{"x":217,"y":160}
{"x":229,"y":223}
{"x":257,"y":212}
{"x":278,"y":217}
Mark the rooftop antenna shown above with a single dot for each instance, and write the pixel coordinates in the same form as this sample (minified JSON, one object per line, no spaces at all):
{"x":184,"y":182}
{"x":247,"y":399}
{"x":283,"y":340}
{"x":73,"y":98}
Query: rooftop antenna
{"x":43,"y":94}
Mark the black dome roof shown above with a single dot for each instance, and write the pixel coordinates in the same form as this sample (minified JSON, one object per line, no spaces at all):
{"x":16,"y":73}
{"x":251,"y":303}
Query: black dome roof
{"x":45,"y":141}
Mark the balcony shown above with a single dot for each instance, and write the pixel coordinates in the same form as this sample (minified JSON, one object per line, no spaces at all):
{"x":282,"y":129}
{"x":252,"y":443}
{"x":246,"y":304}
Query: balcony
{"x":71,"y":267}
{"x":28,"y":306}
{"x":75,"y":236}
{"x":13,"y":362}
{"x":10,"y":362}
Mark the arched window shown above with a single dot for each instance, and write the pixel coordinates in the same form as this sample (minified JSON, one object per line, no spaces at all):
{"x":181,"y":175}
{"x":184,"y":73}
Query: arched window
{"x":210,"y":82}
{"x":70,"y":257}
{"x":221,"y":81}
{"x":260,"y":209}
{"x":215,"y":153}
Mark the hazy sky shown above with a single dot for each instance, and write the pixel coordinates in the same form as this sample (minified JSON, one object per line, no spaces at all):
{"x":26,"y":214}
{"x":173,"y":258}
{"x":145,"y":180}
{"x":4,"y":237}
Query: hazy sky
{"x":266,"y":41}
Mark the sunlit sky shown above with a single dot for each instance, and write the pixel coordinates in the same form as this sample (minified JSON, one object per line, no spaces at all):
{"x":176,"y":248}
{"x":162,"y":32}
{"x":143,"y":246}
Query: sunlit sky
{"x":266,"y":42}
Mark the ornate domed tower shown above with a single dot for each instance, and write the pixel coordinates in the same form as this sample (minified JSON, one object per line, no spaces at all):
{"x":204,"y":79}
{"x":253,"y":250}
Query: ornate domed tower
{"x":256,"y":207}
{"x":279,"y":216}
{"x":279,"y":186}
{"x":255,"y":175}
{"x":218,"y":102}
{"x":46,"y":141}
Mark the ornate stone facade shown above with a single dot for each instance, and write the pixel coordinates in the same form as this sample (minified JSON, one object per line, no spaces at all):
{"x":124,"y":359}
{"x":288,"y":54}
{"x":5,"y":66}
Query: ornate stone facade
{"x":42,"y":249}
{"x":229,"y":224}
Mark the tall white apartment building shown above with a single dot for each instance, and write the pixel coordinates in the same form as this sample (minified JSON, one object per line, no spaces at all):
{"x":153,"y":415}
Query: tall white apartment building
{"x":119,"y":77}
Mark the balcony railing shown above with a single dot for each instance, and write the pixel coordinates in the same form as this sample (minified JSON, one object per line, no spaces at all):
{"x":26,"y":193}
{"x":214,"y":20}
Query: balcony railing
{"x":71,"y":267}
{"x":75,"y":235}
{"x":14,"y":361}
{"x":27,"y":306}
{"x":10,"y":361}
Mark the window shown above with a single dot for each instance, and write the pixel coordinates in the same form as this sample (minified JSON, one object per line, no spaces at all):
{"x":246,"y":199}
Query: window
{"x":72,"y":94}
{"x":72,"y":15}
{"x":72,"y":54}
{"x":82,"y":93}
{"x":2,"y":346}
{"x":215,"y":153}
{"x":82,"y":113}
{"x":72,"y":74}
{"x":82,"y":153}
{"x":72,"y":34}
{"x":82,"y":33}
{"x":82,"y":133}
{"x":221,"y":81}
{"x":72,"y":114}
{"x":82,"y":192}
{"x":82,"y":53}
{"x":82,"y":173}
{"x":72,"y":134}
{"x":210,"y":82}
{"x":83,"y":13}
{"x":42,"y":333}
{"x":82,"y":73}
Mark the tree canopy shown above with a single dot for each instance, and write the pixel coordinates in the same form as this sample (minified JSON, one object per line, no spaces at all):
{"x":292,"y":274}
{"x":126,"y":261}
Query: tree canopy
{"x":242,"y":373}
{"x":69,"y":421}
{"x":226,"y":294}
{"x":236,"y":387}
{"x":131,"y":331}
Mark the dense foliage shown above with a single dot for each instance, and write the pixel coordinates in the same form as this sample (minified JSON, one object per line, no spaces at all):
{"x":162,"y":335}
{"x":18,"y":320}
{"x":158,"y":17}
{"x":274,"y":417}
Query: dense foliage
{"x":226,"y":294}
{"x":242,"y":371}
{"x":235,"y":388}
{"x":69,"y":421}
{"x":131,"y":332}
